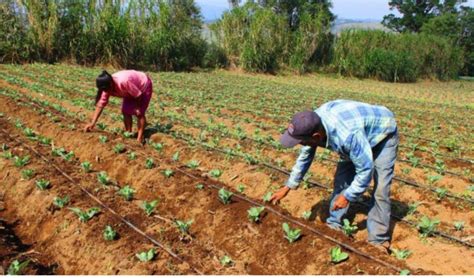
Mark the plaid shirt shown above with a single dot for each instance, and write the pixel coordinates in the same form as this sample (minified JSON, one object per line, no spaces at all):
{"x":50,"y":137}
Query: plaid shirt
{"x":353,"y":129}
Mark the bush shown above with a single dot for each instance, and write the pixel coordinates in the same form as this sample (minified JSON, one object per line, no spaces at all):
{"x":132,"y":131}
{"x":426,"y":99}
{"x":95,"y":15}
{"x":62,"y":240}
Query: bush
{"x":396,"y":57}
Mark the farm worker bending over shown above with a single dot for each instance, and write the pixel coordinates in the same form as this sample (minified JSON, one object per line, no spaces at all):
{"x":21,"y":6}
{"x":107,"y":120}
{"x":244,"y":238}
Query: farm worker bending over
{"x":134,"y":87}
{"x":366,"y":138}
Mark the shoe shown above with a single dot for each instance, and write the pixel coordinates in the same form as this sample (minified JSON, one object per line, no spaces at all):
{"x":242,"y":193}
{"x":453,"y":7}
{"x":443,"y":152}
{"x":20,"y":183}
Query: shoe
{"x":383,"y":247}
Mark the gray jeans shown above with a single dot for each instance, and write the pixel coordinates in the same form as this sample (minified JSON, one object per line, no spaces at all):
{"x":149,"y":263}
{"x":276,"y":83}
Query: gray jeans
{"x":378,"y":219}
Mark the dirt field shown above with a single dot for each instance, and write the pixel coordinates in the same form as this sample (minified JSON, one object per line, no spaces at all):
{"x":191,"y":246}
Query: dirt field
{"x":230,"y":122}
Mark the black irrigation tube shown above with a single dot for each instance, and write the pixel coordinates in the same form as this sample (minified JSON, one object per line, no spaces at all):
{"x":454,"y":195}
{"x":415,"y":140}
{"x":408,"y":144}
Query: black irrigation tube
{"x":270,"y":166}
{"x":97,"y":200}
{"x":399,"y":218}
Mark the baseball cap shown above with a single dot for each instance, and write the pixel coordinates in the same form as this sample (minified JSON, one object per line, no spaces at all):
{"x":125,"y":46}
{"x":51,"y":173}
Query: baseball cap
{"x":302,"y":126}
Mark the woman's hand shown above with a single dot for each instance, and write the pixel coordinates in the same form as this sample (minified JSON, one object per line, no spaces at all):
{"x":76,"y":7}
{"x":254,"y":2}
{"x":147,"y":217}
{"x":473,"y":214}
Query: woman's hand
{"x":89,"y":127}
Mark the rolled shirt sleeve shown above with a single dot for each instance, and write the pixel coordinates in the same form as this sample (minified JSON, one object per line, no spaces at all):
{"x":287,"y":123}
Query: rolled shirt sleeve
{"x":360,"y":154}
{"x":301,"y":166}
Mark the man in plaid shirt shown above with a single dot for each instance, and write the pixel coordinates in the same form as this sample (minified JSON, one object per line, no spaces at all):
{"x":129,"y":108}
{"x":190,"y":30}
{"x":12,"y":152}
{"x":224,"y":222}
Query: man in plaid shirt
{"x":366,"y":138}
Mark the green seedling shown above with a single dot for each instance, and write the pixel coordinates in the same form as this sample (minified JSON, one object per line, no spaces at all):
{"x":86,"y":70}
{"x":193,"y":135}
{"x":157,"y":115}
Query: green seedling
{"x":401,"y":254}
{"x":16,"y":268}
{"x":193,"y":164}
{"x":119,"y":148}
{"x":29,"y":132}
{"x":405,"y":272}
{"x":427,"y":226}
{"x":103,"y":178}
{"x":157,"y":146}
{"x":215,"y":173}
{"x":337,"y":255}
{"x":42,"y":184}
{"x":291,"y":234}
{"x":433,"y":179}
{"x":347,"y":228}
{"x":132,"y":156}
{"x":146,"y":256}
{"x":240,"y":188}
{"x":412,"y":207}
{"x":149,"y":163}
{"x":101,"y":126}
{"x":306,"y":215}
{"x":85,"y":216}
{"x":7,"y":155}
{"x":127,"y":134}
{"x":149,"y":207}
{"x":175,"y":156}
{"x":183,"y":226}
{"x":226,"y":261}
{"x":168,"y":173}
{"x":68,"y":156}
{"x":86,"y":166}
{"x":254,"y":213}
{"x":27,"y":174}
{"x":225,"y":196}
{"x":103,"y":139}
{"x":21,"y":161}
{"x":61,"y":202}
{"x":109,"y":233}
{"x":267,"y":196}
{"x":200,"y":186}
{"x":44,"y":140}
{"x":459,"y":225}
{"x":441,"y":193}
{"x":126,"y":192}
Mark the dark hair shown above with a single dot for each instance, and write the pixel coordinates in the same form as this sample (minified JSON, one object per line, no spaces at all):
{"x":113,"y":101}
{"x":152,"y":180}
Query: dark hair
{"x":103,"y":82}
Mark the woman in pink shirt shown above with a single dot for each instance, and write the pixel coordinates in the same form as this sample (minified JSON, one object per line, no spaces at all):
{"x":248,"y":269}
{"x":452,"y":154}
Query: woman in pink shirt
{"x":134,"y":87}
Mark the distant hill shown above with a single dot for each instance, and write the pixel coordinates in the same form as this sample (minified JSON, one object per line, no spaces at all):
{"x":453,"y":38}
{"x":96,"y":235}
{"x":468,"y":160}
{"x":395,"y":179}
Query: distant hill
{"x":339,"y":25}
{"x":343,"y":24}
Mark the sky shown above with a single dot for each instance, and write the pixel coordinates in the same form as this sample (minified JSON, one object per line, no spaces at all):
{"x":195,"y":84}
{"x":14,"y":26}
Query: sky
{"x":349,"y":9}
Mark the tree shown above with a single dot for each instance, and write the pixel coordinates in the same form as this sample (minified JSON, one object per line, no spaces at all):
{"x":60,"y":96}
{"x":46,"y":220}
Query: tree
{"x":415,"y":13}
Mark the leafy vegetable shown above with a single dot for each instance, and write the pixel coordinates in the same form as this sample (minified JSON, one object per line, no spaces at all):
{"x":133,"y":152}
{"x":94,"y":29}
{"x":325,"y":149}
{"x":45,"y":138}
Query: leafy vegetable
{"x":427,"y":226}
{"x":168,"y":173}
{"x":183,"y":226}
{"x":21,"y":161}
{"x":119,"y":148}
{"x":132,"y":156}
{"x":459,"y":225}
{"x":149,"y":207}
{"x":175,"y":156}
{"x":109,"y":233}
{"x":226,"y":261}
{"x":193,"y":164}
{"x":401,"y":254}
{"x":103,"y":139}
{"x":27,"y":174}
{"x":149,"y":163}
{"x":16,"y":268}
{"x":146,"y":256}
{"x":103,"y":178}
{"x":216,"y":173}
{"x":291,"y":234}
{"x":337,"y":255}
{"x":85,"y":216}
{"x":267,"y":196}
{"x":86,"y":166}
{"x":126,"y":192}
{"x":42,"y":184}
{"x":241,"y":188}
{"x":61,"y":202}
{"x":225,"y":196}
{"x":200,"y":186}
{"x":254,"y":213}
{"x":347,"y":228}
{"x":306,"y":215}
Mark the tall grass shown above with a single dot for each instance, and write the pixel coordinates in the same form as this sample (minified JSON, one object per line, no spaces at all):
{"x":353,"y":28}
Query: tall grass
{"x":163,"y":34}
{"x":396,"y":57}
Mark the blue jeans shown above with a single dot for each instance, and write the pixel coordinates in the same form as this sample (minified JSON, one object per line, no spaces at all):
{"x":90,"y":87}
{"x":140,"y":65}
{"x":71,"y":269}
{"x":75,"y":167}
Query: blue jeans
{"x":378,"y":218}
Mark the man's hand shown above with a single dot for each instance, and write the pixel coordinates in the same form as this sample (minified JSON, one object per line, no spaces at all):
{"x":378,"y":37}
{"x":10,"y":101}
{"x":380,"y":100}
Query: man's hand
{"x":88,"y":127}
{"x":280,"y":194}
{"x":340,"y":202}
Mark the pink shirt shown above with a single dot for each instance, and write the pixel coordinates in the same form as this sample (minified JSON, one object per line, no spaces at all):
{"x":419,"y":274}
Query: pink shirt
{"x":127,"y":84}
